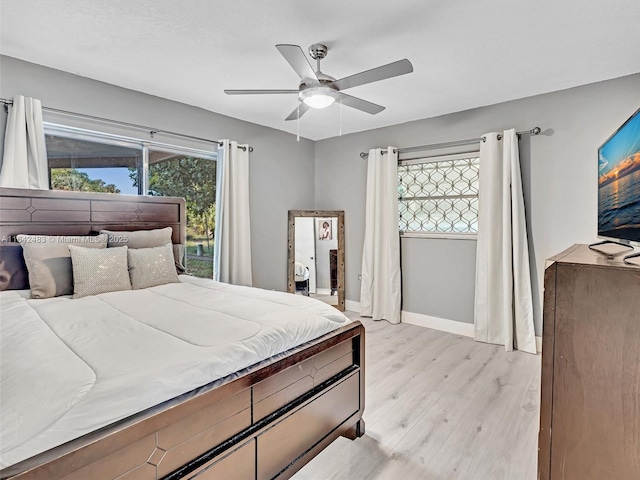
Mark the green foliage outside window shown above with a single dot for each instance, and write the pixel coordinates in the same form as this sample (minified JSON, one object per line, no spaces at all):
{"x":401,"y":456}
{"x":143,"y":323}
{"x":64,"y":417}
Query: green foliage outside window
{"x":193,"y":179}
{"x":73,"y":180}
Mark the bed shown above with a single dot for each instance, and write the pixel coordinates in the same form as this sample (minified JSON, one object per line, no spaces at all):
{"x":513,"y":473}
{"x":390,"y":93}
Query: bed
{"x":263,"y":413}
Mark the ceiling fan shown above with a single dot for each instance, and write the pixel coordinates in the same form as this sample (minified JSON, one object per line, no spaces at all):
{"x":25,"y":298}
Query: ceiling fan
{"x":319,"y":90}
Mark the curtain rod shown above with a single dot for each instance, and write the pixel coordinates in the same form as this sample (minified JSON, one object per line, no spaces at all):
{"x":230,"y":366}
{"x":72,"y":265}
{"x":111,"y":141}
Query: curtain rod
{"x":457,"y":143}
{"x":152,"y":131}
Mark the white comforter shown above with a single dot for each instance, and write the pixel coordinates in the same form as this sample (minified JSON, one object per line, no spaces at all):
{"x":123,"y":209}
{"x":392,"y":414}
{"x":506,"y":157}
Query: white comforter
{"x":72,"y":366}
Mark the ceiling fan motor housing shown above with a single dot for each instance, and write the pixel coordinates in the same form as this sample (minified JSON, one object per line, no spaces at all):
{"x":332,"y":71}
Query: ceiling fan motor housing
{"x":318,"y":51}
{"x":323,"y":80}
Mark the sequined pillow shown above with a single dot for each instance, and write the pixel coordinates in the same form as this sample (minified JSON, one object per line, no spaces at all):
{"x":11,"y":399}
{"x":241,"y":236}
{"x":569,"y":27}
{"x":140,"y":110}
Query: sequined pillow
{"x":149,"y":267}
{"x":99,"y":271}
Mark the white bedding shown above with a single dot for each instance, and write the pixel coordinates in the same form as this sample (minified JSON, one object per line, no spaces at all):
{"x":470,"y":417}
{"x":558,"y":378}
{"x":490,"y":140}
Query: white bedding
{"x":301,"y":272}
{"x":72,"y":366}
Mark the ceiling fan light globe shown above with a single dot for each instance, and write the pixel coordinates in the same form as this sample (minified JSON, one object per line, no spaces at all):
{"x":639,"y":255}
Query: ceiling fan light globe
{"x":319,"y":101}
{"x":319,"y":97}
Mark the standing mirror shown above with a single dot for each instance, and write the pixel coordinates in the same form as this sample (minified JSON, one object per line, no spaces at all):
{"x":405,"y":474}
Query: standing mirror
{"x":316,"y":255}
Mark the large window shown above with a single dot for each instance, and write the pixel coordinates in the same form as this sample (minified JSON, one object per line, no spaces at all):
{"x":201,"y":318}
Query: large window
{"x":439,"y":196}
{"x":88,"y":161}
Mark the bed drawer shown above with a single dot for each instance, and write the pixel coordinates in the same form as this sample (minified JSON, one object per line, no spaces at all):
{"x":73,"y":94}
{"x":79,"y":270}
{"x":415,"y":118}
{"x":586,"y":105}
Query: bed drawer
{"x":203,"y":430}
{"x":159,"y":454}
{"x":299,"y":432}
{"x":276,"y":391}
{"x":132,"y":460}
{"x":238,"y":465}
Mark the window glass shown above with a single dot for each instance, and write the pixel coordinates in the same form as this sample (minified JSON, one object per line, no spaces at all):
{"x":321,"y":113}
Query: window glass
{"x":194,"y":179}
{"x":91,"y":166}
{"x":439,"y":197}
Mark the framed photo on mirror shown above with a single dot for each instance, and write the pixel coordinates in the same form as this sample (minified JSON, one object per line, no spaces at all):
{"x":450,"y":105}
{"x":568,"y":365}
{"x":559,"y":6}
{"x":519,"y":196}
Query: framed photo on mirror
{"x":325,"y":232}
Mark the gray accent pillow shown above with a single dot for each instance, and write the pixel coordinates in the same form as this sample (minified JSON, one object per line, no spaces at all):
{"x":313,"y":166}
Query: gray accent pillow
{"x":149,"y":267}
{"x":99,"y":271}
{"x":49,"y":262}
{"x":148,"y":239}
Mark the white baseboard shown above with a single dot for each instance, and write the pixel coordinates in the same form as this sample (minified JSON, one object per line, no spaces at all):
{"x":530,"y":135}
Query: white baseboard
{"x":352,"y":305}
{"x":442,"y":324}
{"x":323,"y":291}
{"x":437,"y":323}
{"x":451,"y":326}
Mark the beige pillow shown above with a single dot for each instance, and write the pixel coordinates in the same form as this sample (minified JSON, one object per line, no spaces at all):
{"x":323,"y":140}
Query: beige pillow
{"x":149,"y":267}
{"x":179,"y":253}
{"x":148,"y":239}
{"x":99,"y":271}
{"x":49,"y":263}
{"x":139,"y":238}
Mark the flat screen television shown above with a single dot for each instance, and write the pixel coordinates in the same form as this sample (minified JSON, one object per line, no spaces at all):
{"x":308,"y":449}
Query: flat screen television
{"x":619,"y":183}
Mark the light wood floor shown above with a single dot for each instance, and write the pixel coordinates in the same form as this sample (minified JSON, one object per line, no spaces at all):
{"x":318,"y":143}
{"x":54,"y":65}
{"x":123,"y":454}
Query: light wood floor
{"x":438,"y":407}
{"x":330,"y":299}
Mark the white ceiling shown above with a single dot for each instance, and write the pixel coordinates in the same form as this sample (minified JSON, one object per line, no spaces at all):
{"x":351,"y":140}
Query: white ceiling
{"x":465,"y":53}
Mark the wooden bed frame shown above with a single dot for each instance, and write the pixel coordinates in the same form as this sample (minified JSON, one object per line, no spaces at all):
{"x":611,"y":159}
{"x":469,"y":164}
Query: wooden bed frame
{"x":266,"y":421}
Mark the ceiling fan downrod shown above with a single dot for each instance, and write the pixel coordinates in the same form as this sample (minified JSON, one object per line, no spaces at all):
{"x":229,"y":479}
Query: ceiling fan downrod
{"x":318,"y":51}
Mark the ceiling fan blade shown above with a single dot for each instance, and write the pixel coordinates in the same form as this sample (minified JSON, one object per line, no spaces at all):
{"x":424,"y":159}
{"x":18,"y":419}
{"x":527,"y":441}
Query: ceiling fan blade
{"x":375,"y":74}
{"x":298,"y":60}
{"x":295,"y":115}
{"x":359,"y":104}
{"x":258,"y":92}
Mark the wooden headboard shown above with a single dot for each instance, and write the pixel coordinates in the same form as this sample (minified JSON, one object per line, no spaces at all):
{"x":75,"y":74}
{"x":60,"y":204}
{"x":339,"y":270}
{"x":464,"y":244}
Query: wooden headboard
{"x":54,"y":212}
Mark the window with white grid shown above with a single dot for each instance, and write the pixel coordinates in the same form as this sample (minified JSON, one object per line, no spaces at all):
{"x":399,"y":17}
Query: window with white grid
{"x":439,"y":196}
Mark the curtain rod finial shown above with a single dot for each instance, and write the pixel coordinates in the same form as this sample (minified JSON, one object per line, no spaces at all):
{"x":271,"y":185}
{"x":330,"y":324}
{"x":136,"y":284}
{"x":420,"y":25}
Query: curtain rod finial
{"x":536,"y":131}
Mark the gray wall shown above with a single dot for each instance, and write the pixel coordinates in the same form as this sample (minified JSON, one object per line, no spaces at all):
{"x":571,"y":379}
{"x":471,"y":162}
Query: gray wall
{"x":278,"y":159}
{"x":559,"y":174}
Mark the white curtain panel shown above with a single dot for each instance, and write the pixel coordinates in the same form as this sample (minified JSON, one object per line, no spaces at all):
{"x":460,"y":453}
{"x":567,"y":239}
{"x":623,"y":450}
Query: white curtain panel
{"x":232,"y":245}
{"x":380,"y":293}
{"x":503,"y":303}
{"x":24,"y":163}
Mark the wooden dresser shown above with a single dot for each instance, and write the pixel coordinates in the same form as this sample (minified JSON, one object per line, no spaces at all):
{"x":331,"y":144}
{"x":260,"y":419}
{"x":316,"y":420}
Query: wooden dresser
{"x":590,"y":396}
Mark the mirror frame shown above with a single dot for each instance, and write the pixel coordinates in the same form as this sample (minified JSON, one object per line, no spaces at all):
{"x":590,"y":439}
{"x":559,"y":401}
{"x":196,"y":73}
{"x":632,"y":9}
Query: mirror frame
{"x":293,"y":214}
